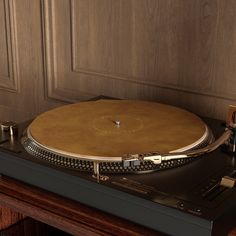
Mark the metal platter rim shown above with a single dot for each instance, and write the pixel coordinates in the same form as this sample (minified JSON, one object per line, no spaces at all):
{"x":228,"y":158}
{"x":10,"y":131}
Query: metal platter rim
{"x":73,"y":155}
{"x":107,"y":158}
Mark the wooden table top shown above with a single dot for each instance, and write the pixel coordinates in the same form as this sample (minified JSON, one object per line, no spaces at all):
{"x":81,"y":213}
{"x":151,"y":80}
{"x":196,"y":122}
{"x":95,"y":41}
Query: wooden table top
{"x":64,"y":214}
{"x":67,"y":215}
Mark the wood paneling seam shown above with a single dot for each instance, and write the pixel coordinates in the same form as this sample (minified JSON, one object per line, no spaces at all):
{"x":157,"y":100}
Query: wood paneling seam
{"x":11,"y":83}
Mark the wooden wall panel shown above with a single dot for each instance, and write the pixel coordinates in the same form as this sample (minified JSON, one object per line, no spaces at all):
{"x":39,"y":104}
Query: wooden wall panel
{"x":3,"y":43}
{"x":22,"y":94}
{"x":8,"y":53}
{"x":175,"y":51}
{"x":8,"y":217}
{"x":181,"y":52}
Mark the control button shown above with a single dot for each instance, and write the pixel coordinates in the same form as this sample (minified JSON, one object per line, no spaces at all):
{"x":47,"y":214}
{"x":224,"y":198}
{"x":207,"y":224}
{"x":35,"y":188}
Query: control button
{"x":9,"y":126}
{"x":181,"y":205}
{"x":195,"y":211}
{"x":198,"y":210}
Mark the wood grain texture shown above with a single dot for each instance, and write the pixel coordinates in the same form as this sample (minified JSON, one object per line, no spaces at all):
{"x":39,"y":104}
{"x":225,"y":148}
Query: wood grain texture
{"x":72,"y":217}
{"x":178,"y":52}
{"x":154,"y":50}
{"x":8,"y":48}
{"x":21,"y":60}
{"x":30,"y":227}
{"x":3,"y":43}
{"x":8,"y":217}
{"x":233,"y":232}
{"x":67,"y":215}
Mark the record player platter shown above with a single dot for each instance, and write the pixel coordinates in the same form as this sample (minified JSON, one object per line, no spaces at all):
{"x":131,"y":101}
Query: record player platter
{"x":110,"y":132}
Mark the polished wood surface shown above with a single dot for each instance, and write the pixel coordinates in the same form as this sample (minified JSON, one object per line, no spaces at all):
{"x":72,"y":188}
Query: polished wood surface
{"x":31,"y":227}
{"x":8,"y":217}
{"x":179,"y":52}
{"x":73,"y":217}
{"x":64,"y":214}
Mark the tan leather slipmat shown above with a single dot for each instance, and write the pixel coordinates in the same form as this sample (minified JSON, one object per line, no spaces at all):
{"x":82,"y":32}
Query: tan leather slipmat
{"x":89,"y":128}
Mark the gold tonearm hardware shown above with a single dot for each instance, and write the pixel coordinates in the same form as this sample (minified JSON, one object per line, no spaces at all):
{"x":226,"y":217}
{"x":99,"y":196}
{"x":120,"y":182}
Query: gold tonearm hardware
{"x":228,"y":137}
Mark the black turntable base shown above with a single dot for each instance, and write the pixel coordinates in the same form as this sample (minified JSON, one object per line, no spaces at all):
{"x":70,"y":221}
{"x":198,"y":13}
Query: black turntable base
{"x":186,"y":198}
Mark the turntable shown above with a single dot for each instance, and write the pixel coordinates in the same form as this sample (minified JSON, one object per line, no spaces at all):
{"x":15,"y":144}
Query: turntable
{"x":157,"y":165}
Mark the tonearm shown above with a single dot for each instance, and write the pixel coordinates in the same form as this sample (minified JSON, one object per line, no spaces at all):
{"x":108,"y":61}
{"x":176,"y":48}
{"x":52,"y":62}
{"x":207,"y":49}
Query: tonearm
{"x":228,"y":137}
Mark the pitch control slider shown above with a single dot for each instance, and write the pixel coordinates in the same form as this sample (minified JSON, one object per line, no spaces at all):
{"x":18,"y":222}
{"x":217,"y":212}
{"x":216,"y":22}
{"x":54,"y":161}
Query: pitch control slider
{"x":157,"y":158}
